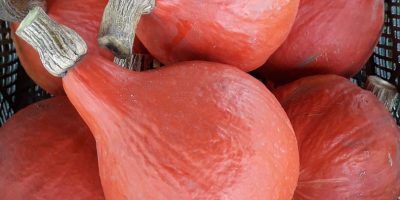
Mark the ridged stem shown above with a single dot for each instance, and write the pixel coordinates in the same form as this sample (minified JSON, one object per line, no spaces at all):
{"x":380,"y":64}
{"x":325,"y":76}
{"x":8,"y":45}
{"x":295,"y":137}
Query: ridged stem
{"x":120,"y":19}
{"x":383,"y":90}
{"x":59,"y":47}
{"x":16,"y":10}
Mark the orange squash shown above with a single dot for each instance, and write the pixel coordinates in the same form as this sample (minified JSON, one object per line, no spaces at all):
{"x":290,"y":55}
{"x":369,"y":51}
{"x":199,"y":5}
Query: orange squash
{"x":48,"y":152}
{"x":349,"y":143}
{"x":194,"y":130}
{"x":327,"y":37}
{"x":239,"y":33}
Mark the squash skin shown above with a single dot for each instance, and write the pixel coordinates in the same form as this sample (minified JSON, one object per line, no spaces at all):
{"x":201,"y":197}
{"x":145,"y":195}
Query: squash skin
{"x":328,"y":37}
{"x":239,"y":33}
{"x":349,"y":143}
{"x":188,"y":131}
{"x":47,"y":155}
{"x":74,"y":14}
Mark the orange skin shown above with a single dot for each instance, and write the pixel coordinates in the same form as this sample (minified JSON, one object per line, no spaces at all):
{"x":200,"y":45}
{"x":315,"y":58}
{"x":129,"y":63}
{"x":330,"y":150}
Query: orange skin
{"x":45,"y":155}
{"x":194,"y":130}
{"x":239,"y":33}
{"x":349,"y":143}
{"x":77,"y":17}
{"x":328,"y":37}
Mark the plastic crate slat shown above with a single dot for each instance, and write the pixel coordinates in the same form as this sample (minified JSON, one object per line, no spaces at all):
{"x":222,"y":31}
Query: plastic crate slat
{"x":2,"y":42}
{"x":5,"y":65}
{"x":5,"y":30}
{"x":7,"y":53}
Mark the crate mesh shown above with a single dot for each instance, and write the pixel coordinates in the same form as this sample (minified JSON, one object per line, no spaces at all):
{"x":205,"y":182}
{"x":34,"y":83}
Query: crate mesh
{"x":385,"y":60}
{"x":17,"y":90}
{"x":8,"y":72}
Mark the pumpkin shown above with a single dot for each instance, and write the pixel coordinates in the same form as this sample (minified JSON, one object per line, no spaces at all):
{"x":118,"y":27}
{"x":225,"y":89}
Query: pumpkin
{"x":47,"y":155}
{"x":239,"y":33}
{"x":84,"y":16}
{"x":328,"y":37}
{"x":348,"y":141}
{"x":193,"y":130}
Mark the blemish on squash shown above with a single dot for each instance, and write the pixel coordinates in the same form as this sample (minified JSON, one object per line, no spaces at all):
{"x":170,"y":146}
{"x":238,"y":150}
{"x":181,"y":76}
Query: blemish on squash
{"x":390,"y":160}
{"x":309,"y":60}
{"x":367,"y":154}
{"x":362,"y":173}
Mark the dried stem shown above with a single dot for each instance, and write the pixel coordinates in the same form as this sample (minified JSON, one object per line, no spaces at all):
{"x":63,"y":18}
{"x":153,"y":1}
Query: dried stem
{"x":135,"y":62}
{"x":383,"y":90}
{"x":16,"y":10}
{"x":59,"y":47}
{"x":120,"y":19}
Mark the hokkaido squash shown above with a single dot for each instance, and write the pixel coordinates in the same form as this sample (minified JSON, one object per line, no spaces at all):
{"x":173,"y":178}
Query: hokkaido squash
{"x":83,"y":16}
{"x":239,"y":33}
{"x":46,"y":155}
{"x":328,"y":37}
{"x":349,"y":143}
{"x":194,"y":130}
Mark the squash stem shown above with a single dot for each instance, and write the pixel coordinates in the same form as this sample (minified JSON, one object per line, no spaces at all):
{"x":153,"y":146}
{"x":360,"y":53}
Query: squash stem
{"x":383,"y":90}
{"x":58,"y":46}
{"x":16,"y":10}
{"x":120,"y":19}
{"x":135,"y":62}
